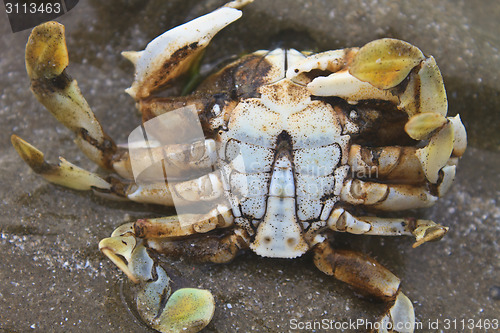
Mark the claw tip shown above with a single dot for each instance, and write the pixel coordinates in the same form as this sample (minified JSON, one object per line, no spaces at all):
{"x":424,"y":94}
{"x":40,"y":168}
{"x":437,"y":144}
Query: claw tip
{"x":46,"y":52}
{"x":31,"y":155}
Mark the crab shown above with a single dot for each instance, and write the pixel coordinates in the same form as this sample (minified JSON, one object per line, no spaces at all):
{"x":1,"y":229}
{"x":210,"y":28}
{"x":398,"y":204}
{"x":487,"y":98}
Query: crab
{"x":273,"y":153}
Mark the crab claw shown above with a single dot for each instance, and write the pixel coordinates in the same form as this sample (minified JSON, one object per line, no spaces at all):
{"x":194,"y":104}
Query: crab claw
{"x":400,"y":318}
{"x":46,"y":62}
{"x":425,"y":91}
{"x":174,"y":52}
{"x":384,"y":63}
{"x":64,"y":173}
{"x":436,"y":154}
{"x":428,"y":231}
{"x":186,"y":310}
{"x":421,"y":125}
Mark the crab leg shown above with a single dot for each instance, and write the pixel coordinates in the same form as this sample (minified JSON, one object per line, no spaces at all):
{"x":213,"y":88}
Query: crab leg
{"x":434,"y":163}
{"x":397,"y":197}
{"x":386,"y":196}
{"x":202,"y":189}
{"x":46,"y":61}
{"x":65,"y":173}
{"x":185,"y":225}
{"x":370,"y":278}
{"x":397,"y":72}
{"x":186,"y":310}
{"x":210,"y":248}
{"x":181,"y":161}
{"x":393,"y":163}
{"x":423,"y":230}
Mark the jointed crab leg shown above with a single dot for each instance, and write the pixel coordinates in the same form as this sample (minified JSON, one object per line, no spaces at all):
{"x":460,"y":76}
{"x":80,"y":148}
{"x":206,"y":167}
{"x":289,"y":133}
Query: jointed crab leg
{"x":201,"y":189}
{"x":46,"y":60}
{"x":210,"y":248}
{"x":386,"y":196}
{"x":65,"y":173}
{"x":397,"y":72}
{"x":423,"y":230}
{"x":186,"y":310}
{"x":185,"y":225}
{"x":371,"y":278}
{"x":393,"y":163}
{"x":193,"y":159}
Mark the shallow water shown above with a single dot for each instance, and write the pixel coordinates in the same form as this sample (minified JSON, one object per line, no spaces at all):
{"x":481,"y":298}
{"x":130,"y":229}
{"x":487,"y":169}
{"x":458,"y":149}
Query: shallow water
{"x":54,"y":279}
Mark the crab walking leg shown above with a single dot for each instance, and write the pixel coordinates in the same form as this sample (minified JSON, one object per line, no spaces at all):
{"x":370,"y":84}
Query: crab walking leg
{"x":371,"y":278}
{"x":397,"y":196}
{"x":423,"y":230}
{"x":176,"y":226}
{"x":186,"y":310}
{"x":387,"y":197}
{"x":202,"y":189}
{"x":46,"y":61}
{"x":210,"y":248}
{"x":447,"y":142}
{"x":394,"y":163}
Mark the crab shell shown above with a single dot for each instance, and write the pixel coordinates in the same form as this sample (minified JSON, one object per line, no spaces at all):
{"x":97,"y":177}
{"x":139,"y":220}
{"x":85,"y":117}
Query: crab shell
{"x":292,"y":132}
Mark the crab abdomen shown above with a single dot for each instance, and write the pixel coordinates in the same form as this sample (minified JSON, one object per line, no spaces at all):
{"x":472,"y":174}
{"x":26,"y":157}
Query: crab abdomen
{"x":281,"y":155}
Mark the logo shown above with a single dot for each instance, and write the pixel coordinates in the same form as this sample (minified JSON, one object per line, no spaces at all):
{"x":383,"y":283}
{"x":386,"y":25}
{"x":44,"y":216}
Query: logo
{"x":26,"y":14}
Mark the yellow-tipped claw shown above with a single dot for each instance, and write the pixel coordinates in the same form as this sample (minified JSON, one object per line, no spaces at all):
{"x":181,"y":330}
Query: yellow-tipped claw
{"x":65,"y":173}
{"x":384,"y":63}
{"x":117,"y":249}
{"x":187,"y":310}
{"x":436,"y":154}
{"x":30,"y":154}
{"x":46,"y":52}
{"x":421,"y":125}
{"x":428,"y":231}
